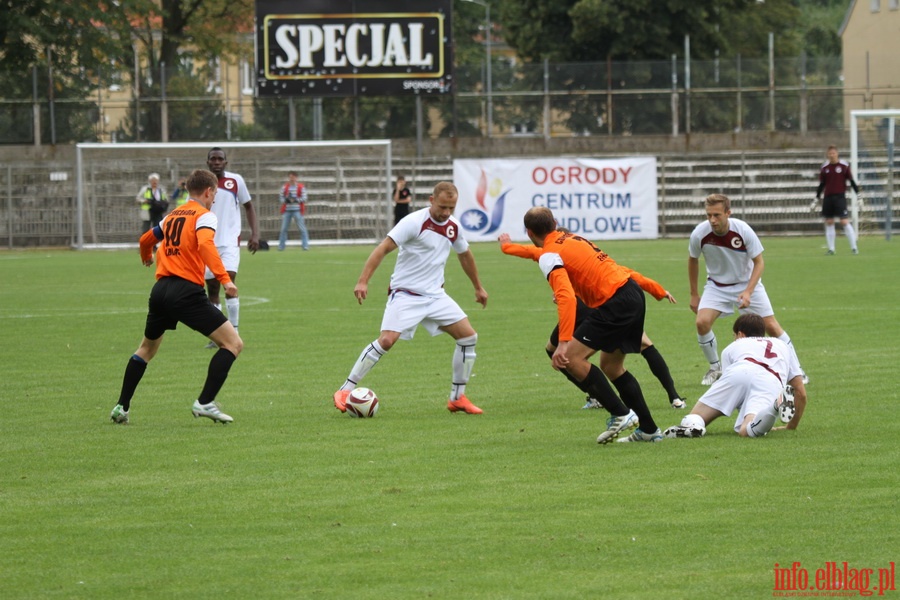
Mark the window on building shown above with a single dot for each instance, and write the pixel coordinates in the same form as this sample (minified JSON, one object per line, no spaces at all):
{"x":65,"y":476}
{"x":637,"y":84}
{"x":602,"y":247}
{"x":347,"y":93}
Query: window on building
{"x":894,"y":4}
{"x":875,"y":5}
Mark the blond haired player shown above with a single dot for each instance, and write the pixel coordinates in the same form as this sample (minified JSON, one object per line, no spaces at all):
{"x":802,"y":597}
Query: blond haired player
{"x":416,"y":295}
{"x":186,"y":247}
{"x":734,"y":267}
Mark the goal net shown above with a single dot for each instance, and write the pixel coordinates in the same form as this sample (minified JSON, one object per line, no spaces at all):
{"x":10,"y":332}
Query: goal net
{"x":872,"y":135}
{"x":349,"y":184}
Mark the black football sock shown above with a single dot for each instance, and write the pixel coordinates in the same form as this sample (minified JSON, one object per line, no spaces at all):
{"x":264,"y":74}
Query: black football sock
{"x":579,"y":384}
{"x":597,"y":386}
{"x":660,"y":370}
{"x":134,"y":371}
{"x":219,"y":365}
{"x":633,"y":398}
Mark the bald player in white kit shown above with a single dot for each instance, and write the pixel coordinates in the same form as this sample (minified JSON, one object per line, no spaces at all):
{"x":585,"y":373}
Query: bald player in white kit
{"x":416,"y":295}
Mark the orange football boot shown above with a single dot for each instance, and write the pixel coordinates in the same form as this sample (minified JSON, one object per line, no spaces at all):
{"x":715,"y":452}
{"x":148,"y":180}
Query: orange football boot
{"x":463,"y":404}
{"x":340,"y":400}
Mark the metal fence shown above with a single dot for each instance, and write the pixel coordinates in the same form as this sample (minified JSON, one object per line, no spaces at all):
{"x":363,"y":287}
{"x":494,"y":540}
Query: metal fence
{"x":524,"y":99}
{"x":349,"y":198}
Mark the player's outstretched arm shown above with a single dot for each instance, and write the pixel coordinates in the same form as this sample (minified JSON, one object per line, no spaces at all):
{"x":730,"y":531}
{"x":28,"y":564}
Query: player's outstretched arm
{"x":507,"y":247}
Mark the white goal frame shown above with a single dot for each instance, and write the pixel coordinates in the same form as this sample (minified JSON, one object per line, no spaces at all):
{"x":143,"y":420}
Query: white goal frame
{"x":385,"y":213}
{"x":855,"y":116}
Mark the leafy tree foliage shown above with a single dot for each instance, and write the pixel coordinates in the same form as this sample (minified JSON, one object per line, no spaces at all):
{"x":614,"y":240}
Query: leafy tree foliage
{"x":70,"y":46}
{"x":592,"y":30}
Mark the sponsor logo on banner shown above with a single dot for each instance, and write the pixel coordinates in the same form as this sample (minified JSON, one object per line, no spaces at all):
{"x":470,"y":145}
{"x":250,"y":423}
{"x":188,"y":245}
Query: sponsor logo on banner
{"x":598,"y":199}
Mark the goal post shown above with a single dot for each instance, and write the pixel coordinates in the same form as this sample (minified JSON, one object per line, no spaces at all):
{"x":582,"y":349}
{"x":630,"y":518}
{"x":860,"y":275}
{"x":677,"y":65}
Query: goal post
{"x":872,"y":134}
{"x":349,"y":184}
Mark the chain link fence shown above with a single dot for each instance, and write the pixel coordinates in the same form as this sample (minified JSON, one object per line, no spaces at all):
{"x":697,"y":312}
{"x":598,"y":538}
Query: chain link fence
{"x":524,"y":99}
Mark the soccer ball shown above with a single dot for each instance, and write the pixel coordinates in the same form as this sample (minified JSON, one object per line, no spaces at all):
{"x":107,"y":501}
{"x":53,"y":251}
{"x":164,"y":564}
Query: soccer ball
{"x":786,"y":410}
{"x":362,"y":403}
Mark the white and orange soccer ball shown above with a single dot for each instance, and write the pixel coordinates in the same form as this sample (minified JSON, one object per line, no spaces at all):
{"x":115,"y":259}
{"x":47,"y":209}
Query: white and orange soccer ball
{"x":362,"y":403}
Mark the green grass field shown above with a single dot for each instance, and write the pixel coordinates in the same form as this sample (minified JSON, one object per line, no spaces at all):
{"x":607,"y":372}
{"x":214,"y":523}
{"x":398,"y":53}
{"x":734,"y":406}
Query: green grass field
{"x":296,"y":500}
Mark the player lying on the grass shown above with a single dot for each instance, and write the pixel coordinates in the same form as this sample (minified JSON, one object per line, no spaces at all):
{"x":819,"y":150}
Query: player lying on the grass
{"x":186,"y":248}
{"x":755,"y":371}
{"x":654,"y":359}
{"x":614,"y":326}
{"x":416,"y":295}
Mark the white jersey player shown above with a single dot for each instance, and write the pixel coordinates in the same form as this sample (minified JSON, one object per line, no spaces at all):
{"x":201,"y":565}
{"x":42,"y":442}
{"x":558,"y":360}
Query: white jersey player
{"x":755,"y":371}
{"x":734,"y":266}
{"x":416,"y":295}
{"x":231,"y":195}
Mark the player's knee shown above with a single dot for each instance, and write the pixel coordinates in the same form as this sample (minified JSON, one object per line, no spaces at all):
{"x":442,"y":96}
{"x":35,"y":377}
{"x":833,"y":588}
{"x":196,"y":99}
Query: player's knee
{"x":694,"y":421}
{"x":469,"y":340}
{"x":386,"y":342}
{"x":773,"y":328}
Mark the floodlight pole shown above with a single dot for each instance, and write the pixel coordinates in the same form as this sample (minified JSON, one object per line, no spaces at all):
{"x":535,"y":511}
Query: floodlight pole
{"x":487,"y":51}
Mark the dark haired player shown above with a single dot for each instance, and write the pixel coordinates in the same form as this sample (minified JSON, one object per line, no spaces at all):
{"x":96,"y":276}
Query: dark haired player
{"x":755,"y":371}
{"x":231,"y":195}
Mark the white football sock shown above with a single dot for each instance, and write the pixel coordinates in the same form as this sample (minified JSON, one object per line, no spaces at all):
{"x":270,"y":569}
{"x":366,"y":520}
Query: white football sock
{"x":784,"y":337}
{"x":463,"y":362}
{"x":761,"y":424}
{"x":710,"y":348}
{"x":851,"y":235}
{"x":370,"y":355}
{"x":234,"y":310}
{"x":829,"y":236}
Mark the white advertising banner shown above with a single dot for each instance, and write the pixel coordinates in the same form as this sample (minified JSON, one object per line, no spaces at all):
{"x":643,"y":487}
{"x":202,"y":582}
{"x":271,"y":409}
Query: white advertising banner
{"x":599,"y":199}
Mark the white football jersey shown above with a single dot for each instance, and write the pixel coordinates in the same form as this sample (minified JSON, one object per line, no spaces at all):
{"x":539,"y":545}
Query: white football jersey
{"x":771,"y":354}
{"x":424,"y":247}
{"x":231,"y":195}
{"x":729,"y":257}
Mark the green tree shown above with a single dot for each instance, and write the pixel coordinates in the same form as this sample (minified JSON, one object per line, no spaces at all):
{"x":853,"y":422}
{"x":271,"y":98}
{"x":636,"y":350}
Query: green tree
{"x":70,"y":45}
{"x":592,"y":30}
{"x":186,"y":38}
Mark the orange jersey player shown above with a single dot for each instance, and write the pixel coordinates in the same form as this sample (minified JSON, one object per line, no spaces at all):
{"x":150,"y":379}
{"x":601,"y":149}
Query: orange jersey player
{"x":186,"y":249}
{"x":614,"y":325}
{"x":188,"y":245}
{"x":655,"y":360}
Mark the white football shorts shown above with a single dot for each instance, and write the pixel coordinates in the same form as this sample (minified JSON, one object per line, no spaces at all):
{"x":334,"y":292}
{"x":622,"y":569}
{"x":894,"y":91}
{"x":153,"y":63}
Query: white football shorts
{"x":724,"y":299}
{"x":746,"y":387}
{"x":231,"y":258}
{"x":405,"y":312}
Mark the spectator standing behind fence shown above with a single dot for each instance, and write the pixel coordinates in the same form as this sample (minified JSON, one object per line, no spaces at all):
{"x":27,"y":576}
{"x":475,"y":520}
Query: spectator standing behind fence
{"x":293,"y":207}
{"x":180,"y":194}
{"x":402,"y":197}
{"x":153,"y":202}
{"x":833,"y":178}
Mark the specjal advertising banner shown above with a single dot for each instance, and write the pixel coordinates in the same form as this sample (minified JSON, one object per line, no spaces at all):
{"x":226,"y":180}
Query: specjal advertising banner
{"x":599,"y":199}
{"x":353,"y":47}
